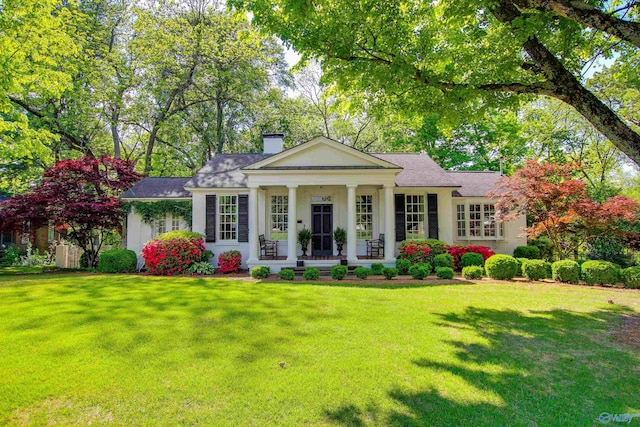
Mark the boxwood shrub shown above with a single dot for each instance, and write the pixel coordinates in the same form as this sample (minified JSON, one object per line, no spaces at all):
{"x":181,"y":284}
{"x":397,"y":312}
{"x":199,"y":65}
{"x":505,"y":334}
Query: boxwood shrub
{"x":472,"y":272}
{"x":534,"y":269}
{"x":565,"y":271}
{"x":287,"y":274}
{"x":548,"y":268}
{"x":311,"y":273}
{"x":390,"y":272}
{"x":118,"y":261}
{"x":420,"y":271}
{"x":338,"y":272}
{"x":362,"y":272}
{"x":444,"y":272}
{"x":471,"y":259}
{"x":261,"y":272}
{"x":403,"y":265}
{"x":631,"y":277}
{"x":530,"y":252}
{"x":377,"y":269}
{"x":596,"y":272}
{"x":443,"y":260}
{"x":501,"y":267}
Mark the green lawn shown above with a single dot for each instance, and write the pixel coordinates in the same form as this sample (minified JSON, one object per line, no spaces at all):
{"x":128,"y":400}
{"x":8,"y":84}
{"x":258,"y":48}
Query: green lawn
{"x":129,"y":350}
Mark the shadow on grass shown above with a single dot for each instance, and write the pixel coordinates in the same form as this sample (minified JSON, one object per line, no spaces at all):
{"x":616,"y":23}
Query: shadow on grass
{"x":555,"y":367}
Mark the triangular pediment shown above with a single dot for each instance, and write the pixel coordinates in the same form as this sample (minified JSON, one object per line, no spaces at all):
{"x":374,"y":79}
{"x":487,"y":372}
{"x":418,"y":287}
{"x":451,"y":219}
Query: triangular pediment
{"x":321,"y":153}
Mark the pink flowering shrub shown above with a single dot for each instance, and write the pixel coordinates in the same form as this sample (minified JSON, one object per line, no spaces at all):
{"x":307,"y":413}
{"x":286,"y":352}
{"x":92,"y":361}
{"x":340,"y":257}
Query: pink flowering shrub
{"x":415,"y":251}
{"x":230,"y":261}
{"x":457,"y":251}
{"x":170,"y":256}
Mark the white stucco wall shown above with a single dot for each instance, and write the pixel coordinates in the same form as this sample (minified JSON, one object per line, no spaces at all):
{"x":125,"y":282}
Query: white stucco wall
{"x":139,"y":232}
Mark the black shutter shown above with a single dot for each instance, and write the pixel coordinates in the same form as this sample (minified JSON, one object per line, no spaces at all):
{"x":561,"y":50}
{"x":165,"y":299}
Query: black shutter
{"x":432,"y":215}
{"x":243,"y":218}
{"x":401,"y":232}
{"x":210,"y":218}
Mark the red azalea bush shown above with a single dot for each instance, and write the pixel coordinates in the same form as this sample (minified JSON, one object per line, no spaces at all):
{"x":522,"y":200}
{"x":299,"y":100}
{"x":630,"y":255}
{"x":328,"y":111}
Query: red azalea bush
{"x":457,"y":251}
{"x":414,"y":250}
{"x":169,"y":256}
{"x":230,"y":261}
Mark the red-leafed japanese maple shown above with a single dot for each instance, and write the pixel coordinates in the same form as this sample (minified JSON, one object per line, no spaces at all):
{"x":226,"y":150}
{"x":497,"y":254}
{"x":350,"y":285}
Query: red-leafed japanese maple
{"x":81,"y":196}
{"x":559,"y":206}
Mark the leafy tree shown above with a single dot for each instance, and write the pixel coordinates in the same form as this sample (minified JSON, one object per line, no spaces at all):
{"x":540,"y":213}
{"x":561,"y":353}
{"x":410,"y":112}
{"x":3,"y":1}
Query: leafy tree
{"x":465,"y":57}
{"x":559,"y":206}
{"x":80,"y":196}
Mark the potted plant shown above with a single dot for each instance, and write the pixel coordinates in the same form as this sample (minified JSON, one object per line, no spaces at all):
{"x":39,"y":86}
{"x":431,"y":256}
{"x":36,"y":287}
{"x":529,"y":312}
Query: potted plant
{"x":304,"y":237}
{"x":340,"y":237}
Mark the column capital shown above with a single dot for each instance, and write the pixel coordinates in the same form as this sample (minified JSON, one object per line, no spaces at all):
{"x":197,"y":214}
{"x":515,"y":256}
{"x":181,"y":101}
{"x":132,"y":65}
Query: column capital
{"x":389,"y":186}
{"x":253,"y":187}
{"x":352,"y":185}
{"x":290,"y":186}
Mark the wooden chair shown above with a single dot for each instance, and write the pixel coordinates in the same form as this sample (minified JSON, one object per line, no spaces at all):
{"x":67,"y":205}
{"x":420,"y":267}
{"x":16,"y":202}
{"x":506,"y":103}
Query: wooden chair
{"x":268,"y":248}
{"x":375,"y":247}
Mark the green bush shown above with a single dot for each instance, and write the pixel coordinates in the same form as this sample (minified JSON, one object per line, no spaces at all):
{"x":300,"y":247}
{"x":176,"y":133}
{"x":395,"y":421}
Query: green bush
{"x":403,"y":266}
{"x":362,"y":272}
{"x":521,"y":262}
{"x":530,"y":252}
{"x":595,"y":272}
{"x":84,"y":260}
{"x":631,"y":277}
{"x":287,"y":274}
{"x":201,"y":268}
{"x":472,"y":272}
{"x":390,"y":272}
{"x":545,"y":245}
{"x":179,"y":234}
{"x":565,"y":271}
{"x":609,"y":248}
{"x":377,"y":269}
{"x":444,"y":272}
{"x":471,"y":259}
{"x":549,"y":270}
{"x":261,"y":272}
{"x":534,"y":269}
{"x":11,"y":256}
{"x":338,"y":272}
{"x":501,"y":267}
{"x":311,"y":273}
{"x":443,"y":260}
{"x":420,"y":271}
{"x":118,"y":261}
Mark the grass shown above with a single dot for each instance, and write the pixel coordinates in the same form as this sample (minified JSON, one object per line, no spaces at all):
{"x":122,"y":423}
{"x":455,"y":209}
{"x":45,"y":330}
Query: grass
{"x":4,"y":271}
{"x":132,"y":350}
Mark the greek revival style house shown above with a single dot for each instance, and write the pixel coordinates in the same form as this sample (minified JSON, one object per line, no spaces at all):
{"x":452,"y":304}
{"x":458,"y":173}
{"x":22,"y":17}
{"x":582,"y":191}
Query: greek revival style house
{"x":256,"y":203}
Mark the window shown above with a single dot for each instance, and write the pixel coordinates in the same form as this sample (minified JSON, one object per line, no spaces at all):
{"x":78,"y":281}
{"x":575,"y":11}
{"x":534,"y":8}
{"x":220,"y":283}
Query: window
{"x":489,"y":221}
{"x":279,"y":217}
{"x":475,"y":221}
{"x":175,"y":223}
{"x":158,"y":227}
{"x":228,"y":212}
{"x":461,"y":220}
{"x":414,"y":211}
{"x":364,"y":217}
{"x":51,"y":234}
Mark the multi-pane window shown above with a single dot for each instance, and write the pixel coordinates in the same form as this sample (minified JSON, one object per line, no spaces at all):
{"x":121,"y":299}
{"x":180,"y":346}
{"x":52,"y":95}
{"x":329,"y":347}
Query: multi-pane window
{"x":414,"y":219}
{"x":228,"y":217}
{"x":461,"y":221}
{"x":489,"y":221}
{"x":279,"y":217}
{"x":158,"y":226}
{"x":175,"y":223}
{"x":475,"y":221}
{"x":364,"y":216}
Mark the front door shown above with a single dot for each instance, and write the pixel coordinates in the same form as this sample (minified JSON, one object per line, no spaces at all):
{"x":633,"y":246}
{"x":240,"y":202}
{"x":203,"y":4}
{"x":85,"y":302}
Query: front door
{"x":322,"y":225}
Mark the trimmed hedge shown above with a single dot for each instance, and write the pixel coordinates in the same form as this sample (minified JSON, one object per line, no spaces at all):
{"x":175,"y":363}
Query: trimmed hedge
{"x":472,"y":259}
{"x":530,"y":252}
{"x":377,"y":269}
{"x":597,"y":272}
{"x":473,"y":272}
{"x":338,"y":272}
{"x":420,"y":271}
{"x":549,"y":269}
{"x":311,"y":273}
{"x":534,"y":269}
{"x":287,"y":274}
{"x":501,"y":267}
{"x":179,"y":234}
{"x":118,"y":261}
{"x":444,"y":272}
{"x":631,"y":277}
{"x":362,"y":272}
{"x":403,"y":266}
{"x":261,"y":272}
{"x":443,"y":260}
{"x":565,"y":271}
{"x":390,"y":272}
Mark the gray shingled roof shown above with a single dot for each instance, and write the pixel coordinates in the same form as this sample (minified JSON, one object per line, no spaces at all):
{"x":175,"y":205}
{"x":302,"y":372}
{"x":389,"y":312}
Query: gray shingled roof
{"x":223,"y":170}
{"x":419,"y":170}
{"x":474,"y":183}
{"x":158,"y":188}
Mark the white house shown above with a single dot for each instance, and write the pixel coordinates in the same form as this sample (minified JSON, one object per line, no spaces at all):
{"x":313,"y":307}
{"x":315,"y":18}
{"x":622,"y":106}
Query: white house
{"x":240,"y":199}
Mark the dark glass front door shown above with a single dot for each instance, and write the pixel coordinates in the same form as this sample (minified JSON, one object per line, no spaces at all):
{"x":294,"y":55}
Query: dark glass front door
{"x":322,"y":225}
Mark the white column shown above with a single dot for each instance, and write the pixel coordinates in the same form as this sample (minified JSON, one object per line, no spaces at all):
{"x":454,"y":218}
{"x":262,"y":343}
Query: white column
{"x":254,"y":225}
{"x":352,"y":241}
{"x":292,"y":234}
{"x":389,"y":224}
